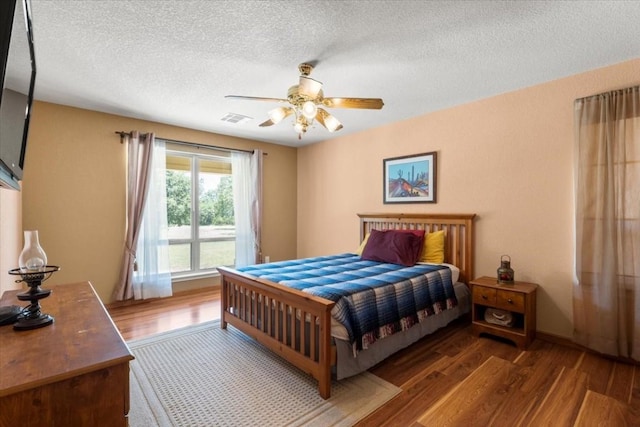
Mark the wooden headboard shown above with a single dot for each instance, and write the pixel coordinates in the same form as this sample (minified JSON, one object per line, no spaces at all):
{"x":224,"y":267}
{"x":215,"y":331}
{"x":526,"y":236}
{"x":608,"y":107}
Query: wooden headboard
{"x":458,"y":229}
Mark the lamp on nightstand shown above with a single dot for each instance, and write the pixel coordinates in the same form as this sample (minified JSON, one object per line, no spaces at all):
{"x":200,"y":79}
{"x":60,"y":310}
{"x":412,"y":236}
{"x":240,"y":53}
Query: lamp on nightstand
{"x":505,"y":272}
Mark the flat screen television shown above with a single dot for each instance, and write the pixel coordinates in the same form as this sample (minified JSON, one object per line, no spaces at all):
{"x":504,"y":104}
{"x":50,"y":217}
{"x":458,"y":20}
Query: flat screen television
{"x":17,"y":76}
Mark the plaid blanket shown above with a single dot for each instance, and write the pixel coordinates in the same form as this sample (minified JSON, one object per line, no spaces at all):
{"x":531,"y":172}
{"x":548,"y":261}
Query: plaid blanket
{"x":373,"y":299}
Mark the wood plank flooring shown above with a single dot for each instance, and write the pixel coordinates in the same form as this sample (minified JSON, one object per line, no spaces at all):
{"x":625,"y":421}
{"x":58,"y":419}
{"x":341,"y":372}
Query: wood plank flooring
{"x":150,"y":317}
{"x":453,"y":378}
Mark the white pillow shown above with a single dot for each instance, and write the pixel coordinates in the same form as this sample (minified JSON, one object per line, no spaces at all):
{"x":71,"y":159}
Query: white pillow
{"x":455,"y":271}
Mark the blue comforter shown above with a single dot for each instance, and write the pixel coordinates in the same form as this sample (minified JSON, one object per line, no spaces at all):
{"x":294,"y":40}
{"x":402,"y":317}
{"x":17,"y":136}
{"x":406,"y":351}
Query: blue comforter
{"x":373,"y":299}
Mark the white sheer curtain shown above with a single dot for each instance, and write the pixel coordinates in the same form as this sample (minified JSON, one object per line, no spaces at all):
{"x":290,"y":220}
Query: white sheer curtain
{"x":152,"y":278}
{"x":246,"y":169}
{"x":606,"y":297}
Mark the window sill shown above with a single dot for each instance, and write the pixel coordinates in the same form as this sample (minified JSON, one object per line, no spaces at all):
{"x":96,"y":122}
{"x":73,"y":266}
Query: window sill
{"x":194,"y":276}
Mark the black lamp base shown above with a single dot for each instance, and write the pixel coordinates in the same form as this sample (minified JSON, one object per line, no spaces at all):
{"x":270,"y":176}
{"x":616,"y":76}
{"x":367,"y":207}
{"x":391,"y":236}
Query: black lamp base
{"x":26,"y":323}
{"x":32,"y":317}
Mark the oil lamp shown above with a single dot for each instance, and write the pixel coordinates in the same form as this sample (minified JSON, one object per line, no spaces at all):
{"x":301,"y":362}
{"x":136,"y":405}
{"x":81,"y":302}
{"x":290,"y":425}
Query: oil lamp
{"x":505,"y":272}
{"x":33,"y":270}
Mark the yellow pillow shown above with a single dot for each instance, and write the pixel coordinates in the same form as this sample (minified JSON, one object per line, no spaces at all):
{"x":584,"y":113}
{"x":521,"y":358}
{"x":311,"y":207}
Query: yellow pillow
{"x":433,"y":248}
{"x":362,"y":245}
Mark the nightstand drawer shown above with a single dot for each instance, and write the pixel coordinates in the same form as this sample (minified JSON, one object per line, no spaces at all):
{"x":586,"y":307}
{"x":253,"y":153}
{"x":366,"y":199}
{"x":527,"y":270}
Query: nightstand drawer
{"x":512,"y":301}
{"x":482,"y":295}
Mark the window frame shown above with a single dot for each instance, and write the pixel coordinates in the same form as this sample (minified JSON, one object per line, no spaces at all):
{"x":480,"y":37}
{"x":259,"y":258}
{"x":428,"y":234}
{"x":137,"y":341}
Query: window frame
{"x":195,"y":240}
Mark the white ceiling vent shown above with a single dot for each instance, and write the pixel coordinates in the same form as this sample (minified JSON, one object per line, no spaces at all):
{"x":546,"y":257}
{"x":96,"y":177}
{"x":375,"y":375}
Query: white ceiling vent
{"x":235,"y":118}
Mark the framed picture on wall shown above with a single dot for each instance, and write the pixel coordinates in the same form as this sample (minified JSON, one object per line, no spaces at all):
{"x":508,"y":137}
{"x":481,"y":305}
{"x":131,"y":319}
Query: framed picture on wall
{"x":410,"y":179}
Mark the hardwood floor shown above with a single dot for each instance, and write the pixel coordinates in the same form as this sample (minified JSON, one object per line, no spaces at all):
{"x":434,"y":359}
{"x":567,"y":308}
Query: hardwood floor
{"x":456,"y":379}
{"x":151,"y":317}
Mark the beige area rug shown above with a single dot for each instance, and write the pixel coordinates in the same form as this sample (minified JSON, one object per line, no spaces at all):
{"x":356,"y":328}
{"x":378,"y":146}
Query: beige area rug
{"x":203,"y":375}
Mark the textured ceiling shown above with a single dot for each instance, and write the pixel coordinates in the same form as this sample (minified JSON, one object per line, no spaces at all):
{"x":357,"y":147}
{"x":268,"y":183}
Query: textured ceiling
{"x":174,"y":61}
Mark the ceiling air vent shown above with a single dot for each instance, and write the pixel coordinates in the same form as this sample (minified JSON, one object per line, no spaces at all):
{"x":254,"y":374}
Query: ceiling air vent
{"x":235,"y":118}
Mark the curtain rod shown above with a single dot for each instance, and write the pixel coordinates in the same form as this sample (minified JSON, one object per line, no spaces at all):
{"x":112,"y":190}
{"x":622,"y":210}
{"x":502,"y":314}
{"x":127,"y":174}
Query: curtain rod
{"x":618,"y":91}
{"x":191,"y":144}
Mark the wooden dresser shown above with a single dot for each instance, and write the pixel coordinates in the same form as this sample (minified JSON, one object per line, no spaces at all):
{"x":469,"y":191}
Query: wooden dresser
{"x":74,"y":372}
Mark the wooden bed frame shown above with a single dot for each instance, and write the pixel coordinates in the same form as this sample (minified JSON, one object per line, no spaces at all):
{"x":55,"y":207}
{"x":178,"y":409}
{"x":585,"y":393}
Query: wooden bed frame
{"x":271,"y":313}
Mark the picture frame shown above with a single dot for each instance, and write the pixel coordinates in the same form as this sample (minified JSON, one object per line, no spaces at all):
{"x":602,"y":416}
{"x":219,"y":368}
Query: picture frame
{"x":410,"y":179}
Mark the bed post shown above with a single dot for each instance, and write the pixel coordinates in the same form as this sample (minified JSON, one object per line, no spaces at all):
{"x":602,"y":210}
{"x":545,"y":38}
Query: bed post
{"x":224,"y":295}
{"x":324,"y":375}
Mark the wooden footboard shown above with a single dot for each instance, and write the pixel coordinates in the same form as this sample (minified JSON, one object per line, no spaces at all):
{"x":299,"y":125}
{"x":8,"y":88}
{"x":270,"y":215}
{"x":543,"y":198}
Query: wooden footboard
{"x":291,"y":323}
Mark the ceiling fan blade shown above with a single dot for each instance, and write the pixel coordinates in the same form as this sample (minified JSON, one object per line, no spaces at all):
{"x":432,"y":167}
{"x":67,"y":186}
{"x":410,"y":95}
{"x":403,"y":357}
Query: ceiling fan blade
{"x":328,"y":121}
{"x":368,"y":103}
{"x":255,"y":98}
{"x":309,"y":87}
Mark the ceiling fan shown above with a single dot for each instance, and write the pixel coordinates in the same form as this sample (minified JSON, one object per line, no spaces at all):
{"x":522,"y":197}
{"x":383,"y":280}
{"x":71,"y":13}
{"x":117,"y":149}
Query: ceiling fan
{"x":306,"y":100}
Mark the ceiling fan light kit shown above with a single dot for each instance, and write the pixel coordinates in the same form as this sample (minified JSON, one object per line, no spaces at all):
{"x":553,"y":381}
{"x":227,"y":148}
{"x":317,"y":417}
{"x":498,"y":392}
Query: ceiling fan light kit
{"x":305,"y":99}
{"x":328,"y":121}
{"x":278,"y":114}
{"x":309,"y":109}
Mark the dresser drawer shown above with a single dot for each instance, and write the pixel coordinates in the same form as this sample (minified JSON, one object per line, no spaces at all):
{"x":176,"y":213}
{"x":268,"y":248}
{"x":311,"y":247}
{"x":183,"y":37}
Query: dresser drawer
{"x":482,"y":295}
{"x":511,"y":301}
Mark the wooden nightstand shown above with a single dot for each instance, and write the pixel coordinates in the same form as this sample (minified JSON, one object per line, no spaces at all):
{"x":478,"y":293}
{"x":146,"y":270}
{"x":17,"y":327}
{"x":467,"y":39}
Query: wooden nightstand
{"x":519,"y":298}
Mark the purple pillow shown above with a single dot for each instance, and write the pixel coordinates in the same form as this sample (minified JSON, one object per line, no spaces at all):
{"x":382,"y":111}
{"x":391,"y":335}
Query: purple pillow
{"x":393,"y":246}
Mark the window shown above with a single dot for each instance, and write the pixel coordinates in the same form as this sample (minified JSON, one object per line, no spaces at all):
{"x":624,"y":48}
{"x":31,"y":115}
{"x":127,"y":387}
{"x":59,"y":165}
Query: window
{"x":200,"y":213}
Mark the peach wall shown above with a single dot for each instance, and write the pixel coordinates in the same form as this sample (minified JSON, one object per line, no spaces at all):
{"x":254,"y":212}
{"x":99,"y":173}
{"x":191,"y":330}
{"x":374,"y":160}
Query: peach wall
{"x":508,"y":158}
{"x":74,"y":191}
{"x":10,"y":236}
